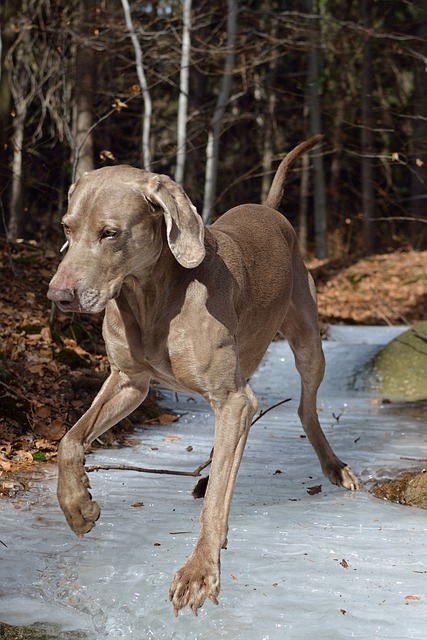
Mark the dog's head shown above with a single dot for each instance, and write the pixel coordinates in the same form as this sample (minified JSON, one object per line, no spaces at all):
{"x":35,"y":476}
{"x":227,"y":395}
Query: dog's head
{"x":115,"y":226}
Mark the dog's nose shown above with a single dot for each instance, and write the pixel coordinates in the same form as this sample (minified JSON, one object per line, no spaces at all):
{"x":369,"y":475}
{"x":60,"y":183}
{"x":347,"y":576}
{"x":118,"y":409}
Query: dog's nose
{"x":64,"y":298}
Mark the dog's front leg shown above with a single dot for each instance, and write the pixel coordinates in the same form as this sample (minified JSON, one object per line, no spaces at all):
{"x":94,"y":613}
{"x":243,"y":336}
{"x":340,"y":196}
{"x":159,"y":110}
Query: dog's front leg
{"x":117,"y":398}
{"x":200,"y":577}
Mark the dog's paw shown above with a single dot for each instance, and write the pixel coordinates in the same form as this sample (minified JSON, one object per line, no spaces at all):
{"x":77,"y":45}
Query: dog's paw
{"x":76,"y":502}
{"x":348,"y":480}
{"x":197,"y":580}
{"x":342,"y":475}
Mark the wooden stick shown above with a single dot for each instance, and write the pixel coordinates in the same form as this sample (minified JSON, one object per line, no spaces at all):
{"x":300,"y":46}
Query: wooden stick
{"x":126,"y":467}
{"x":194,"y":474}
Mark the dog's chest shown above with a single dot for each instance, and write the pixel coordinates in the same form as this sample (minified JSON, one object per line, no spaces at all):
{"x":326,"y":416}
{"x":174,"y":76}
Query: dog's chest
{"x":134,"y":349}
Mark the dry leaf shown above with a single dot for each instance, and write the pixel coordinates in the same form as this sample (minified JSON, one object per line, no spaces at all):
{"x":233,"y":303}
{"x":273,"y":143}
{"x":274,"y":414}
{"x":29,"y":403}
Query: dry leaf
{"x":171,"y":438}
{"x":138,"y":504}
{"x":105,"y":153}
{"x":72,"y":344}
{"x":36,"y":368}
{"x":23,"y":456}
{"x":312,"y":491}
{"x":42,"y":411}
{"x":167,"y":417}
{"x":45,"y":354}
{"x":344,"y":564}
{"x":5,"y":464}
{"x":46,"y":334}
{"x":118,"y":105}
{"x":134,"y":90}
{"x":234,"y":578}
{"x":412,"y":597}
{"x":55,"y":430}
{"x":45,"y":445}
{"x":164,"y":418}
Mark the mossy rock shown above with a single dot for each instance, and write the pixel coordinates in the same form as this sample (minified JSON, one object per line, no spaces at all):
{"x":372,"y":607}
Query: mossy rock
{"x":409,"y":488}
{"x":401,"y":366}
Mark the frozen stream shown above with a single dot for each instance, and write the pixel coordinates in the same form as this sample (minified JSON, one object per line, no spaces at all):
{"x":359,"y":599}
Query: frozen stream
{"x":298,"y":566}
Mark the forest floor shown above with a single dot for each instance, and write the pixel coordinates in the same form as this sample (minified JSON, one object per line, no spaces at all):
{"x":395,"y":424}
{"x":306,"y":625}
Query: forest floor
{"x":52,"y":364}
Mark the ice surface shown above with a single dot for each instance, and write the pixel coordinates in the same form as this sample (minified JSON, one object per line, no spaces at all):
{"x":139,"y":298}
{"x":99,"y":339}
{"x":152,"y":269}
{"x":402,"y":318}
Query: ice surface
{"x":298,"y":566}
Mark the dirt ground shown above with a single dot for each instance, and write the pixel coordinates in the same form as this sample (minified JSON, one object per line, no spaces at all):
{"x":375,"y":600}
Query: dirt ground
{"x":51,"y":364}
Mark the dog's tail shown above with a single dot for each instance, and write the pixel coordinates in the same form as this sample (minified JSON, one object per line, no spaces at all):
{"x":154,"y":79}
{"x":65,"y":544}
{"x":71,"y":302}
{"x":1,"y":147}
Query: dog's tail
{"x":275,"y":194}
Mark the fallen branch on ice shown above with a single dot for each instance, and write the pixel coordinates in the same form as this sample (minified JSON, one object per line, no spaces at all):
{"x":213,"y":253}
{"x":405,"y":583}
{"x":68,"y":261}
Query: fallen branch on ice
{"x":194,"y":474}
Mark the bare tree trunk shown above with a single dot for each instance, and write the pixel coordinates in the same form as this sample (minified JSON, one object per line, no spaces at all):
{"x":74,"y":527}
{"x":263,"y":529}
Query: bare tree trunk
{"x":181,"y":138}
{"x":8,"y":9}
{"x":148,"y":108}
{"x":367,"y":135}
{"x":212,"y":149}
{"x":83,"y":111}
{"x":266,"y":96}
{"x":22,"y":94}
{"x":16,"y":196}
{"x":268,"y":148}
{"x":320,"y":213}
{"x":303,"y":208}
{"x":338,"y":150}
{"x":419,"y":139}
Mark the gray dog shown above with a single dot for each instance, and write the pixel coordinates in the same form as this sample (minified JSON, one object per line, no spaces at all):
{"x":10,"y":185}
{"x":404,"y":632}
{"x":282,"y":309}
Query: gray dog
{"x":194,"y":308}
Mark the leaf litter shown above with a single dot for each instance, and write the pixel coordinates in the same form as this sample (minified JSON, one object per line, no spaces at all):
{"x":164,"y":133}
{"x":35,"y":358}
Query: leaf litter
{"x":52,"y":364}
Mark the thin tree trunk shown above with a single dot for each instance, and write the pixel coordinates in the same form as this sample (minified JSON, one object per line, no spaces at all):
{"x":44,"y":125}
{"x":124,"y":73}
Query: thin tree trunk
{"x":336,"y":161}
{"x":7,"y":36}
{"x":148,"y":108}
{"x":183,"y":93}
{"x":303,"y":208}
{"x":304,"y":197}
{"x":16,"y":197}
{"x":83,"y":112}
{"x":212,"y":149}
{"x":367,"y":135}
{"x":320,"y":214}
{"x":265,"y":94}
{"x":419,"y":139}
{"x":22,"y":94}
{"x":268,"y":150}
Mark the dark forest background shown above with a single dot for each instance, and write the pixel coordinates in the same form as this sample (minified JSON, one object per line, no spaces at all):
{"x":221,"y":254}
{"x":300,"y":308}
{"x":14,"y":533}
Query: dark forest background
{"x":214,"y":94}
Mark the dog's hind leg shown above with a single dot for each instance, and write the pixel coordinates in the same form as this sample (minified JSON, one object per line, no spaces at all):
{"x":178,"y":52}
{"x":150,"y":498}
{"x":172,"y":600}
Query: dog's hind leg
{"x":301,"y":329}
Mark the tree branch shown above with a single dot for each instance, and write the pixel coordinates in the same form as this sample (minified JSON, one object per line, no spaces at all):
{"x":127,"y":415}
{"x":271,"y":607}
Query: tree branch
{"x":193,"y":474}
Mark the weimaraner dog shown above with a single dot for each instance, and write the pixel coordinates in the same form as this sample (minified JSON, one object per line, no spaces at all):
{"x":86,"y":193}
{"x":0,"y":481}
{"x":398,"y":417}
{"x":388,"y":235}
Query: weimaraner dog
{"x":194,"y":308}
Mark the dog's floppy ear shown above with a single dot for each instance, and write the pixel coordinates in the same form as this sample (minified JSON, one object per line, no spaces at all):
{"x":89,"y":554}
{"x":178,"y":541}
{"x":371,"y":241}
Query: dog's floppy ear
{"x":184,"y":226}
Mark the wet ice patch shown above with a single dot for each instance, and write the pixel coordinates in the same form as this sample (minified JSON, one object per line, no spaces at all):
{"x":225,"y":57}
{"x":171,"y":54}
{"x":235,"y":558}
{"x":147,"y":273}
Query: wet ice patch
{"x":329,"y":564}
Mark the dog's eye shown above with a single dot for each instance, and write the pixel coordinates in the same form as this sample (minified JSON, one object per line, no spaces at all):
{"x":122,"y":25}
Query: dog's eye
{"x":108,"y":234}
{"x":66,"y":229}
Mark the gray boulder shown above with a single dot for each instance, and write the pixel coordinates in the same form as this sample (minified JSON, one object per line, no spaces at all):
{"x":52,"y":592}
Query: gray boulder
{"x":401,"y":366}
